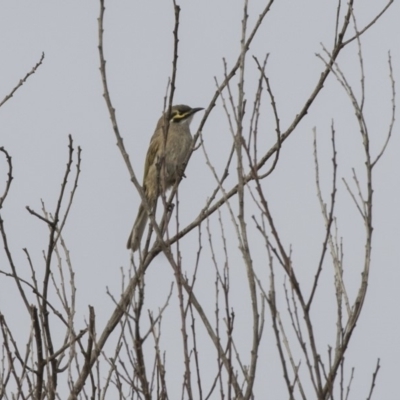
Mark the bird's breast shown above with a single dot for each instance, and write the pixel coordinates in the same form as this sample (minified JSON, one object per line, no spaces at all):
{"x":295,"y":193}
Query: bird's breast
{"x":178,"y":146}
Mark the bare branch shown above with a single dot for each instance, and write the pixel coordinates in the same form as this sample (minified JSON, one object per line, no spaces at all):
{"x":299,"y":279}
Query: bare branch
{"x":22,"y":81}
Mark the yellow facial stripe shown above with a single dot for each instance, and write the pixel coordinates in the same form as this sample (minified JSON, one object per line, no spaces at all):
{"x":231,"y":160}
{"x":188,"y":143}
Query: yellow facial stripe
{"x":178,"y":116}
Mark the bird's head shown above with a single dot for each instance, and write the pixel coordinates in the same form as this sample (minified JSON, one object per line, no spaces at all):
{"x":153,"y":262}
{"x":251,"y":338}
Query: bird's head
{"x":181,"y":114}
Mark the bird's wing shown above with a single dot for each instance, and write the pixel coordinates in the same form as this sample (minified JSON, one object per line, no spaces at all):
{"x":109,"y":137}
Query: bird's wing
{"x":154,"y":149}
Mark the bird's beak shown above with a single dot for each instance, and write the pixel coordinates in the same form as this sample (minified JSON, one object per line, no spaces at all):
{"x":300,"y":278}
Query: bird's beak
{"x":195,"y":110}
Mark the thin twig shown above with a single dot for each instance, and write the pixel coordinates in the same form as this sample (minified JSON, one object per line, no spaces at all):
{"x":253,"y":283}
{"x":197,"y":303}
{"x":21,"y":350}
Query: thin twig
{"x":23,"y":80}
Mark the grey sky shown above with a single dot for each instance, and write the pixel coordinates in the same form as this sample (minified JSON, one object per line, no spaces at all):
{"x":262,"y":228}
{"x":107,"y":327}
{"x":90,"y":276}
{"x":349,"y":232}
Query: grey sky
{"x":65,"y":97}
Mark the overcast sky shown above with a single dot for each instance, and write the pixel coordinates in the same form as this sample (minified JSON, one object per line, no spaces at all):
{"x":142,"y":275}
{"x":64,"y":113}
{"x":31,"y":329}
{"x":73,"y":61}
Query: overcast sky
{"x":65,"y":97}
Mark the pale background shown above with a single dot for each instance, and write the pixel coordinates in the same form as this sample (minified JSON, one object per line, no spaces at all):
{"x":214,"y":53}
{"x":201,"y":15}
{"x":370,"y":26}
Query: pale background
{"x":65,"y":96}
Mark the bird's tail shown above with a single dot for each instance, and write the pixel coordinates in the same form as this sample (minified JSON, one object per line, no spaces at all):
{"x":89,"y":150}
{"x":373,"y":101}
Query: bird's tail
{"x":138,"y":228}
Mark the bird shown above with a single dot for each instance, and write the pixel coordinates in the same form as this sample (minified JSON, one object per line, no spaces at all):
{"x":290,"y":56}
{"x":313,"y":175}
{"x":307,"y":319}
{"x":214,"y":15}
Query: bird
{"x":174,"y":150}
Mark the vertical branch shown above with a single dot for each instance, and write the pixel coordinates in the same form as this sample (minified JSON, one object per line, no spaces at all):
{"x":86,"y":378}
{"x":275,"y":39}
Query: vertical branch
{"x":183,"y":314}
{"x":328,"y":217}
{"x":39,"y":352}
{"x":243,"y":240}
{"x":177,"y":10}
{"x":3,"y":231}
{"x":44,"y":313}
{"x":139,"y":341}
{"x":392,"y":119}
{"x":9,"y":176}
{"x":373,"y":381}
